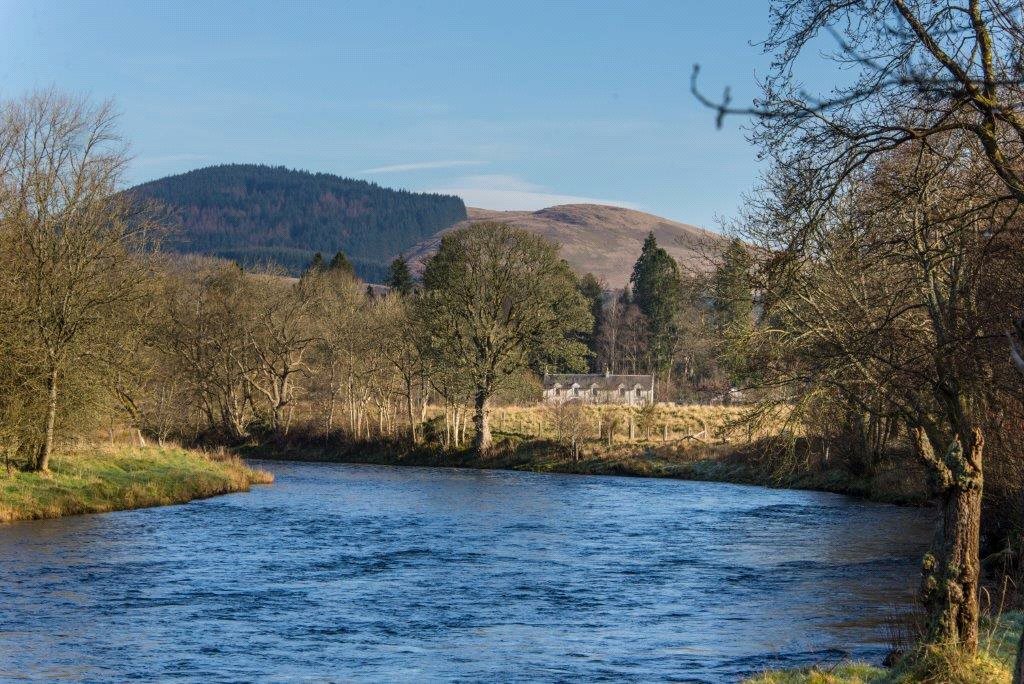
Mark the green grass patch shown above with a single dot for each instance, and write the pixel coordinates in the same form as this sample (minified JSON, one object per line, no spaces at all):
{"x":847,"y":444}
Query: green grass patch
{"x":845,"y":673}
{"x":100,"y":479}
{"x":993,"y":663}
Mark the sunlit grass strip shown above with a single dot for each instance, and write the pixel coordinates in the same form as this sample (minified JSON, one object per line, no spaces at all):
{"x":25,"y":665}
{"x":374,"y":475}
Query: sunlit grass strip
{"x":100,"y":479}
{"x":992,"y":665}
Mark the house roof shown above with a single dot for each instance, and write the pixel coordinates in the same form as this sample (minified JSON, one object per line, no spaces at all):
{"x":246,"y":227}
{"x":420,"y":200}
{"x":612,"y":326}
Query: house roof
{"x":602,"y":381}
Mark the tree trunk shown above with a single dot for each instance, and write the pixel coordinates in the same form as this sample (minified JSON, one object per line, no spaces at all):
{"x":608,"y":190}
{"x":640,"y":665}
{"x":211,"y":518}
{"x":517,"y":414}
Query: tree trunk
{"x":43,"y":463}
{"x":481,"y":420}
{"x":456,"y":417}
{"x":411,"y":415}
{"x":330,"y":417}
{"x":1017,"y":353}
{"x":447,"y":428}
{"x":951,"y":571}
{"x":1018,"y":672}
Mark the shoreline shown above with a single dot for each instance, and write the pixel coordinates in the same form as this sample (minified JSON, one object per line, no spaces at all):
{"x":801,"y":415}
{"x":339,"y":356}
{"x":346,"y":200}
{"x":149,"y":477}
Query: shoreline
{"x":103,"y":479}
{"x":633,"y":460}
{"x":992,"y":664}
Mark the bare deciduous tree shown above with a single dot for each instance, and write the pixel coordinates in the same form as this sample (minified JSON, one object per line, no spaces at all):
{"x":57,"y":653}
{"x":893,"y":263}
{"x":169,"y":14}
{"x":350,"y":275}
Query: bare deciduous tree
{"x":889,"y":294}
{"x":922,"y":69}
{"x":74,"y":243}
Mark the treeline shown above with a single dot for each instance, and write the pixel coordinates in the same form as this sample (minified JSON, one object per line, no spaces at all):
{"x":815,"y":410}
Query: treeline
{"x":261,"y":215}
{"x":100,"y":322}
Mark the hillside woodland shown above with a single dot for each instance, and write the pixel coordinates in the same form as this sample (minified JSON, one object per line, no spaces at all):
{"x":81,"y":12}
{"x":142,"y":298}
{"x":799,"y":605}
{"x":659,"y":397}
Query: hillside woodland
{"x":261,"y":215}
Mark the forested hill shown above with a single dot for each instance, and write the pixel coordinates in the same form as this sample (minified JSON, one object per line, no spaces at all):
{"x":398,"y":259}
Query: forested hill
{"x":257,"y":214}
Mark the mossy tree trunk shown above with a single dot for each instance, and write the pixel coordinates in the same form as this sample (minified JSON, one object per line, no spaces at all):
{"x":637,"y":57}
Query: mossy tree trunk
{"x":951,"y":570}
{"x":482,"y":440}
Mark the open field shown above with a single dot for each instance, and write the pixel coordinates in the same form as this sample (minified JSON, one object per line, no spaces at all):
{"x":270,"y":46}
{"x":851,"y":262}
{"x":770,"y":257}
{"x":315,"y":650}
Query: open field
{"x":106,"y":478}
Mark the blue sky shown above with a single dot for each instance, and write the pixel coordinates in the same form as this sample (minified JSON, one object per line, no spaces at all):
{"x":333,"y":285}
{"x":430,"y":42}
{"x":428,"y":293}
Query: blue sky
{"x":508,"y":104}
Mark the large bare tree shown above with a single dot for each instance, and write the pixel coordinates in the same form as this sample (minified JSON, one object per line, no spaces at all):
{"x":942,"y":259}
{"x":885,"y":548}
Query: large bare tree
{"x":74,"y":243}
{"x":281,"y":335}
{"x":915,"y":75}
{"x":889,"y":297}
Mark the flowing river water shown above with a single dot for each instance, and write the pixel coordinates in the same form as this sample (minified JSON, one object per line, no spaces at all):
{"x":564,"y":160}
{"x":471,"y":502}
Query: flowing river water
{"x":344,"y":572}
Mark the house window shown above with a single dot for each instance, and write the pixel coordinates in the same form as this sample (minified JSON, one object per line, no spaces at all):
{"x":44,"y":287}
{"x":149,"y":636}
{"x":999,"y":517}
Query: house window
{"x":593,"y":391}
{"x":575,"y":391}
{"x":639,"y":392}
{"x":622,"y":391}
{"x":558,"y":391}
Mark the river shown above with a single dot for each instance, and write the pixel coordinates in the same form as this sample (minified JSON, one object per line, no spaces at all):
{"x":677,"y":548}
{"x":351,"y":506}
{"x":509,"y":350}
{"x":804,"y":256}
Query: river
{"x":344,"y":572}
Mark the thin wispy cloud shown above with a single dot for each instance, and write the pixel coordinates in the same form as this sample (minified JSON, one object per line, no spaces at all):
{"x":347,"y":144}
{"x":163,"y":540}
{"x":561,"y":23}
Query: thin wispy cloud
{"x":421,"y":166}
{"x":512,"y":193}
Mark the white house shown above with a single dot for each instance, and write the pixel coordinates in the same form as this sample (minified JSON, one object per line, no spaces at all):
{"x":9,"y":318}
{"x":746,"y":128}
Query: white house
{"x":599,"y":389}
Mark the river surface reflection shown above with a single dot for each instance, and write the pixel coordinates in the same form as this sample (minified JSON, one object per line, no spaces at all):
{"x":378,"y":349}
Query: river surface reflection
{"x":344,"y":572}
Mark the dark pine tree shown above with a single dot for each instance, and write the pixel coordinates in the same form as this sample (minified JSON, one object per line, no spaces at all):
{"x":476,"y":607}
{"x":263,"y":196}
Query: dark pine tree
{"x":592,"y":291}
{"x":340,"y":262}
{"x":658,"y":292}
{"x":316,"y":264}
{"x":400,"y":278}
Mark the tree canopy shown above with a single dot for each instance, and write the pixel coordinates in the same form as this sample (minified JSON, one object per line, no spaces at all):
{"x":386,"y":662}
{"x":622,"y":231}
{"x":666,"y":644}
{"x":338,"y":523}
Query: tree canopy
{"x":500,"y":301}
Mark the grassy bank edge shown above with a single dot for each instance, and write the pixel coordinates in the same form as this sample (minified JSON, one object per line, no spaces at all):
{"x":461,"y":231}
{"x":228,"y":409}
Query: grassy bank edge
{"x":993,"y":664}
{"x":100,"y":479}
{"x":628,"y":460}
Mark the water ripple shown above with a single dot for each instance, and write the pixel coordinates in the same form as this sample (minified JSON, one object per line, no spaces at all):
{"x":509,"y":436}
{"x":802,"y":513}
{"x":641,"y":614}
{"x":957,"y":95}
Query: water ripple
{"x":362,"y":573}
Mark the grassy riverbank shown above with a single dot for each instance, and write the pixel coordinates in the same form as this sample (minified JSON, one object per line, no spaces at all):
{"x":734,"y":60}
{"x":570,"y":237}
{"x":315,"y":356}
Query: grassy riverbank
{"x":108,"y":478}
{"x":993,"y":664}
{"x":704,"y":443}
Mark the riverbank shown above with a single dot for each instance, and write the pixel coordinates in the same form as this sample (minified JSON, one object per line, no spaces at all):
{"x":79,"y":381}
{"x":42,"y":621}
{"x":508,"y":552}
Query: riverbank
{"x":743,"y":463}
{"x":993,"y":664}
{"x":108,"y":478}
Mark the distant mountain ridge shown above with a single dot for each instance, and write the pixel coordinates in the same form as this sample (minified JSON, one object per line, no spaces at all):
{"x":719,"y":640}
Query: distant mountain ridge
{"x":595,"y":238}
{"x":258,"y":214}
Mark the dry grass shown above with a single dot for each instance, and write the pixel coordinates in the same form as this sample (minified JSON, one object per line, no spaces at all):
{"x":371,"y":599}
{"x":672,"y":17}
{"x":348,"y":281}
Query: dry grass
{"x":993,"y":664}
{"x":696,"y":423}
{"x":692,"y":442}
{"x":109,"y":478}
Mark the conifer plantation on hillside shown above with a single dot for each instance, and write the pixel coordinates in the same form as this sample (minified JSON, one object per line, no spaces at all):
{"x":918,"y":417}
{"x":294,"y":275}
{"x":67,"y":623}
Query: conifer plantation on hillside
{"x":259,"y":215}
